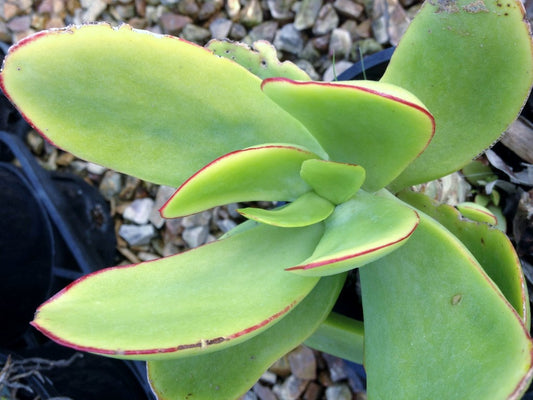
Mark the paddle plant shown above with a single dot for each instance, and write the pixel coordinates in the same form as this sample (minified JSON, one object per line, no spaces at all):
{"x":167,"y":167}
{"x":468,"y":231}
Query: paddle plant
{"x":446,"y":311}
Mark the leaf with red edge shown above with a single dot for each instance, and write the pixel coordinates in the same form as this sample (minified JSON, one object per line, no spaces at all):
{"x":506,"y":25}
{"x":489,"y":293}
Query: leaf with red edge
{"x":379,"y":126}
{"x":185,"y":304}
{"x":266,"y":172}
{"x":152,"y":106}
{"x":359,"y":231}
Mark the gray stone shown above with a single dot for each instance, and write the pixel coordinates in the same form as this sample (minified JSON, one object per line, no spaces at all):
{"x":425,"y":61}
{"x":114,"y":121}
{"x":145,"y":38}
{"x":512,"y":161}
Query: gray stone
{"x":308,"y":68}
{"x":19,"y":24}
{"x":291,"y":389}
{"x":280,"y":9}
{"x":238,"y":32}
{"x":264,"y":392}
{"x":249,"y":396}
{"x":340,"y":43}
{"x":252,"y":14}
{"x":209,"y":8}
{"x":111,"y":184}
{"x":338,"y":392}
{"x":196,"y":34}
{"x":268,"y":377}
{"x":265,"y":31}
{"x":198,"y":219}
{"x":367,"y":46}
{"x":163,"y":194}
{"x":195,"y":236}
{"x":94,"y":10}
{"x":233,"y":7}
{"x":220,"y":28}
{"x":137,"y":235}
{"x":139,"y":211}
{"x":226,"y":224}
{"x":172,"y":23}
{"x":188,"y":7}
{"x":340,"y":67}
{"x":349,"y":8}
{"x":307,"y":14}
{"x":336,"y":367}
{"x":124,"y":11}
{"x":303,"y":363}
{"x":96,"y":169}
{"x":289,"y":39}
{"x":154,"y":14}
{"x":327,"y":20}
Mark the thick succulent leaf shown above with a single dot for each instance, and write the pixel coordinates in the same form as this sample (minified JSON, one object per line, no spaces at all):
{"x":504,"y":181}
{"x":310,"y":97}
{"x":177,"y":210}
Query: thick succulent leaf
{"x":267,"y":172}
{"x":471,"y":64}
{"x":477,"y":213}
{"x":379,"y":126}
{"x":155,"y":107}
{"x":340,"y":336}
{"x":195,"y":302}
{"x":262,"y":60}
{"x":359,"y":231}
{"x":334,"y":181}
{"x":229,"y":373}
{"x":490,"y":246}
{"x":307,"y":209}
{"x":435,"y":323}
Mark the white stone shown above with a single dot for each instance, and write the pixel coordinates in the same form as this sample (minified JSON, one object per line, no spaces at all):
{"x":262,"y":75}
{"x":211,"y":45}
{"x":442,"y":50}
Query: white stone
{"x":139,"y":211}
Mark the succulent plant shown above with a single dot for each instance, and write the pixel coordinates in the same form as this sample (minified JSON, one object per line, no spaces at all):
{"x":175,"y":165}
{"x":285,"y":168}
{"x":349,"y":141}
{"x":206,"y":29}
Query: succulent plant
{"x":446,"y":310}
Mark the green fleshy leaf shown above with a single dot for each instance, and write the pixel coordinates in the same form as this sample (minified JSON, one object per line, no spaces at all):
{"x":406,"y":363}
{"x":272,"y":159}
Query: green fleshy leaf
{"x":261,"y":61}
{"x":184,"y":304}
{"x":359,"y":231}
{"x":471,"y":64}
{"x":151,"y":106}
{"x":378,"y":126}
{"x":266,"y":172}
{"x":340,"y":336}
{"x":477,"y":213}
{"x":336,"y":182}
{"x":490,"y":246}
{"x":308,"y":209}
{"x":435,"y":323}
{"x":229,"y":373}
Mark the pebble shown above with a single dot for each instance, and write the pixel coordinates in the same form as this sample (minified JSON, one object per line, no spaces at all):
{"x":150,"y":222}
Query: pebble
{"x":336,"y":367}
{"x":137,"y":235}
{"x":225,"y":224}
{"x":252,"y":14}
{"x":19,"y":24}
{"x":96,"y":169}
{"x":163,"y":194}
{"x":265,"y":31}
{"x":289,"y":39}
{"x":189,"y":8}
{"x":307,"y":14}
{"x":195,"y":236}
{"x":327,"y":20}
{"x":195,"y":34}
{"x":172,"y":23}
{"x":264,"y":392}
{"x":338,"y":392}
{"x":202,"y":218}
{"x":340,"y":67}
{"x":110,"y":185}
{"x":291,"y":389}
{"x":220,"y":28}
{"x":340,"y":43}
{"x":303,"y":363}
{"x":139,"y":211}
{"x":280,"y":9}
{"x":233,"y":8}
{"x":348,"y":8}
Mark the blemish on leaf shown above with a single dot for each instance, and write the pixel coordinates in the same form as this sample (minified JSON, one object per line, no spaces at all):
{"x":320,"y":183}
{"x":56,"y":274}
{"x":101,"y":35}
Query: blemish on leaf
{"x":447,"y":6}
{"x":475,"y":7}
{"x":456,"y":299}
